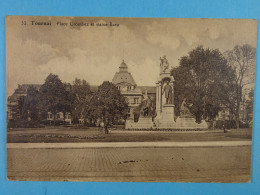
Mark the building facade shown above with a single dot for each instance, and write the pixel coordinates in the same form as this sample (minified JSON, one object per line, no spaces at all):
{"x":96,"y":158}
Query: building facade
{"x":134,"y":94}
{"x":15,"y":101}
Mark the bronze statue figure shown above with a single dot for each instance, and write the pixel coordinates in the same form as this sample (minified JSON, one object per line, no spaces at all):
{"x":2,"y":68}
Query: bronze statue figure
{"x":164,"y":64}
{"x":168,"y":93}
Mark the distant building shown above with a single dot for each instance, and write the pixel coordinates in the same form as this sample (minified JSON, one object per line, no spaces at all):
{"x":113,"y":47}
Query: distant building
{"x":16,"y":100}
{"x":123,"y":80}
{"x":59,"y":117}
{"x":134,"y":94}
{"x":224,"y":114}
{"x":13,"y":101}
{"x":245,"y":112}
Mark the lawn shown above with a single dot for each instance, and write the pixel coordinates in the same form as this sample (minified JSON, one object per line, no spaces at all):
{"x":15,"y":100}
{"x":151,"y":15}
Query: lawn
{"x":92,"y":134}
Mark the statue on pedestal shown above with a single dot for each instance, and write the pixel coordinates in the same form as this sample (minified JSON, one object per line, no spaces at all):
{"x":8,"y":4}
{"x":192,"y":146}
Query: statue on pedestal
{"x":185,"y":109}
{"x":147,"y":107}
{"x":168,"y":93}
{"x":164,"y":64}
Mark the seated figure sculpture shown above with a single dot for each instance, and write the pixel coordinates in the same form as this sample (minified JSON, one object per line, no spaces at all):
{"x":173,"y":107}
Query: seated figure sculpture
{"x":185,"y":109}
{"x":146,"y":108}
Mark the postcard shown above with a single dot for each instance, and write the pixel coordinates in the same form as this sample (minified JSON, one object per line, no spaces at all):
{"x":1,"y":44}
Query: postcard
{"x":129,"y":99}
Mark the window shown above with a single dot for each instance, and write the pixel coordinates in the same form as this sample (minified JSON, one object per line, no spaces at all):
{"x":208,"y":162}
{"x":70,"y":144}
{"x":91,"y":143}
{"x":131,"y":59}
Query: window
{"x":136,"y":100}
{"x":57,"y":116}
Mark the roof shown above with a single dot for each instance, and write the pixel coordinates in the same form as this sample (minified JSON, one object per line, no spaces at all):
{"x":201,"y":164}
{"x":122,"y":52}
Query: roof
{"x":123,"y":77}
{"x":14,"y":97}
{"x":138,"y":89}
{"x":150,"y":89}
{"x":126,"y":79}
{"x":123,"y":65}
{"x":22,"y":90}
{"x":24,"y":87}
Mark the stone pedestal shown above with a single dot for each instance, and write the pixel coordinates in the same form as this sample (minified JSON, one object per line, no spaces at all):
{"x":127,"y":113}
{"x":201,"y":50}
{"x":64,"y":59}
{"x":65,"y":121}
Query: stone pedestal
{"x":166,"y":119}
{"x":168,"y":112}
{"x":190,"y":123}
{"x":143,"y":123}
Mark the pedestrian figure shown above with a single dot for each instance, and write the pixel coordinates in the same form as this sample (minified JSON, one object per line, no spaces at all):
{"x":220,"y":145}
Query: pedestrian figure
{"x":106,"y":127}
{"x":224,"y":127}
{"x":214,"y":124}
{"x":102,"y":126}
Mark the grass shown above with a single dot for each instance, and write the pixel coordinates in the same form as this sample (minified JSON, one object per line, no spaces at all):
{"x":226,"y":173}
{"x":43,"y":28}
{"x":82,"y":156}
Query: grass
{"x":92,"y":134}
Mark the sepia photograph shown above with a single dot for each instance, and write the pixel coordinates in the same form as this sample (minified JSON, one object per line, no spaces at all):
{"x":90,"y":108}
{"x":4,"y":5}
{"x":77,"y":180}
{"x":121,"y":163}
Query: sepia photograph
{"x":112,"y":99}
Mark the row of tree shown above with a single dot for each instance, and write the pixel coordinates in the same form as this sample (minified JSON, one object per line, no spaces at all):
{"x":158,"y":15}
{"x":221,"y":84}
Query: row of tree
{"x":211,"y":80}
{"x":54,"y":96}
{"x":208,"y":79}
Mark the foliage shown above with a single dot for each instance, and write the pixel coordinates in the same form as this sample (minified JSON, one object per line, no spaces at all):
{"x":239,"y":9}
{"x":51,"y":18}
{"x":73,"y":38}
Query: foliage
{"x":54,"y":96}
{"x":30,"y":109}
{"x":200,"y":78}
{"x":108,"y":104}
{"x":242,"y":60}
{"x":80,"y":99}
{"x":250,"y":106}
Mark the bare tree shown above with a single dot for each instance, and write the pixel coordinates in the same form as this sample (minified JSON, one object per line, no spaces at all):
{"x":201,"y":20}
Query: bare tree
{"x":242,"y":60}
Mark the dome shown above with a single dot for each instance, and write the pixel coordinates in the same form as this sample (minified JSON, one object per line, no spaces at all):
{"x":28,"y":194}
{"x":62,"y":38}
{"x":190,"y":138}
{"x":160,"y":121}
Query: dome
{"x":123,"y":76}
{"x":123,"y":65}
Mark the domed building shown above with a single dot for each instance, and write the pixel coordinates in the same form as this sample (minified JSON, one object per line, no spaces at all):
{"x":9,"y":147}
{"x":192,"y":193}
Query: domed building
{"x":123,"y":79}
{"x":127,"y":86}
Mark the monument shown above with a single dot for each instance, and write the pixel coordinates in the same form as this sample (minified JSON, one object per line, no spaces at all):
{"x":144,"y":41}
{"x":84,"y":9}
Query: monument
{"x":146,"y":113}
{"x":164,"y":97}
{"x":186,"y":119}
{"x":164,"y":107}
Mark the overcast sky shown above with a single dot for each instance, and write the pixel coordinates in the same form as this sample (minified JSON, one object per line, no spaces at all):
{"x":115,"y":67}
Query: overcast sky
{"x":95,"y":53}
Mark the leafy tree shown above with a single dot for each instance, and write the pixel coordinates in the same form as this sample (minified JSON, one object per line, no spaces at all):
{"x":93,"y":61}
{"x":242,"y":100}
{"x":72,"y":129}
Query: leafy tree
{"x":80,"y":97}
{"x":18,"y":109}
{"x":250,"y":105}
{"x":108,"y":104}
{"x":200,"y":78}
{"x":30,"y":110}
{"x":67,"y":100}
{"x":53,"y":96}
{"x":242,"y":60}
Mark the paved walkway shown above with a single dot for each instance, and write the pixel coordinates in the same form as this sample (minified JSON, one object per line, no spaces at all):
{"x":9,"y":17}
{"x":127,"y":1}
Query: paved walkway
{"x":168,"y":131}
{"x":129,"y":144}
{"x":162,"y":164}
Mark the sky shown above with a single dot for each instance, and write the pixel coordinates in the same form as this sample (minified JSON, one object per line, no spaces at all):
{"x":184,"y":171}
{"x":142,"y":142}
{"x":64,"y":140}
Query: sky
{"x":94,"y":53}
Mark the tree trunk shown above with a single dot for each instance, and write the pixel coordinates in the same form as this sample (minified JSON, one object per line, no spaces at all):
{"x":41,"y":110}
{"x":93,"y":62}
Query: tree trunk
{"x":237,"y":123}
{"x":238,"y":104}
{"x":64,"y":118}
{"x":237,"y":116}
{"x":54,"y":119}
